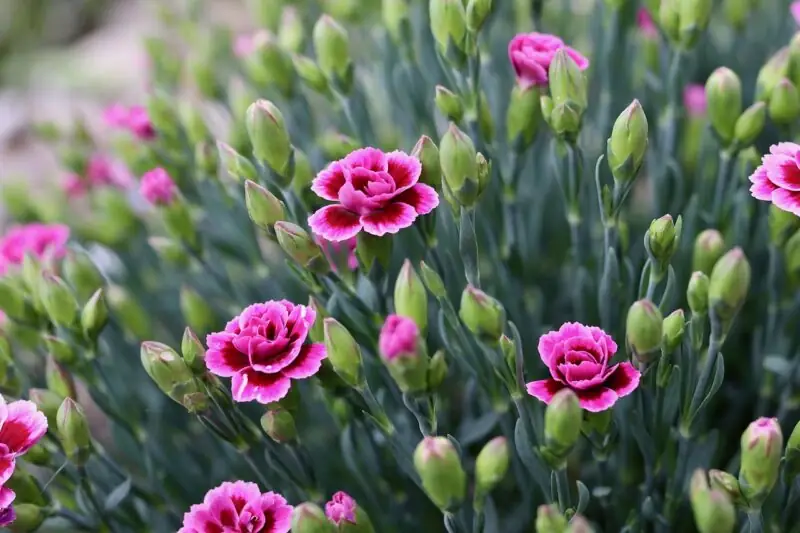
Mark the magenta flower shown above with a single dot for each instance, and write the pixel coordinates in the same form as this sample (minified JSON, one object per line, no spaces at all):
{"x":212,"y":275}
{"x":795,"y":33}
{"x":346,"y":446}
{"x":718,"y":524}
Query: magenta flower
{"x":116,"y":116}
{"x":376,"y":192}
{"x":645,"y":24}
{"x":399,"y":337}
{"x":341,"y":508}
{"x":7,"y":514}
{"x":532,"y":53}
{"x":578,"y":357}
{"x":239,"y":507}
{"x":44,"y":242}
{"x":74,"y":186}
{"x":694,"y":99}
{"x":777,"y":180}
{"x":335,"y":252}
{"x":263,"y":350}
{"x":139,"y":123}
{"x":157,"y":187}
{"x":795,"y":9}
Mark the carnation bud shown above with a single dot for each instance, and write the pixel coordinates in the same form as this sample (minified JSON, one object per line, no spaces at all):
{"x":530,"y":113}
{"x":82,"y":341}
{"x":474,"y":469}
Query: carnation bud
{"x":550,"y":520}
{"x":775,"y":69}
{"x":61,"y":350}
{"x":477,"y":13}
{"x":562,"y":424}
{"x":332,"y":46}
{"x":483,"y":315}
{"x":428,"y":154}
{"x":270,"y":65}
{"x":669,"y":18}
{"x":343,"y":352}
{"x":524,"y":116}
{"x":750,"y":124}
{"x":58,"y":379}
{"x":784,"y":104}
{"x":58,"y":300}
{"x":94,"y":316}
{"x":13,"y":303}
{"x":437,"y":370}
{"x":491,"y":465}
{"x":193,"y":122}
{"x":792,"y":455}
{"x":172,"y":375}
{"x":644,"y":331}
{"x":697,"y":293}
{"x":410,"y":298}
{"x":567,"y":81}
{"x":308,"y":71}
{"x":708,"y":248}
{"x":262,"y":206}
{"x":279,"y":425}
{"x":694,"y":16}
{"x":726,"y":483}
{"x":82,"y":274}
{"x":291,"y":32}
{"x":439,"y":467}
{"x":179,"y":224}
{"x":73,"y":430}
{"x":270,"y":139}
{"x":673,"y":327}
{"x":133,"y":318}
{"x":448,"y":25}
{"x":565,"y":119}
{"x":196,"y":312}
{"x":761,"y":449}
{"x":396,"y":19}
{"x":235,"y":164}
{"x":781,"y":225}
{"x":48,"y":403}
{"x":713,"y":510}
{"x":193,"y":352}
{"x":737,"y":13}
{"x":336,"y":145}
{"x":724,"y":96}
{"x":298,"y":245}
{"x":402,"y":350}
{"x":449,"y":104}
{"x":628,"y":143}
{"x":310,"y":518}
{"x":546,"y":106}
{"x":728,"y":285}
{"x":457,"y":155}
{"x":29,"y":518}
{"x":663,"y":238}
{"x":433,"y":282}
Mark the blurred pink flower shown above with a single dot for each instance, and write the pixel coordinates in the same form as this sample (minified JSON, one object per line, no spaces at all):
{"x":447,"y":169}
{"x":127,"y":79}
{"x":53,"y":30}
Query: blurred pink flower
{"x":694,"y":99}
{"x":157,"y":187}
{"x":646,"y":24}
{"x":99,"y":170}
{"x":7,"y":514}
{"x":795,"y":9}
{"x":239,"y":507}
{"x":43,"y":241}
{"x":532,"y":53}
{"x":777,"y":180}
{"x":139,"y":123}
{"x":334,"y":251}
{"x":341,"y":508}
{"x":116,"y":116}
{"x":399,"y":338}
{"x":578,"y":357}
{"x":74,"y":187}
{"x":375,"y":192}
{"x":263,"y":350}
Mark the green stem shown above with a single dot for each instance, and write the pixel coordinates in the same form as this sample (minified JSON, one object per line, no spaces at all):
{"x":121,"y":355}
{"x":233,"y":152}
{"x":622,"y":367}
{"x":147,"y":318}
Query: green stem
{"x":754,"y":521}
{"x":88,"y":490}
{"x":714,"y":346}
{"x":725,"y":160}
{"x":562,"y":489}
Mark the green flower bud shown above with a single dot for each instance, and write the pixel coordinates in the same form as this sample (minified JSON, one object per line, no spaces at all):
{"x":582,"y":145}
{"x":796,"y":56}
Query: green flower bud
{"x":484,"y":172}
{"x":193,"y":122}
{"x":193,"y":352}
{"x":781,"y":225}
{"x":26,"y":487}
{"x":58,"y":300}
{"x":546,"y":105}
{"x":728,"y":285}
{"x":727,"y":484}
{"x":568,"y":83}
{"x":58,"y":379}
{"x":784,"y":104}
{"x":332,"y":46}
{"x":565,"y":119}
{"x":82,"y":274}
{"x":448,"y":25}
{"x":761,"y":449}
{"x":697,"y":293}
{"x":410,"y":298}
{"x":343,"y":352}
{"x":196,"y":312}
{"x":362,"y":524}
{"x":262,"y":206}
{"x":524,"y":116}
{"x":172,"y":375}
{"x":644,"y":331}
{"x":792,"y":455}
{"x":279,"y":425}
{"x":31,"y":274}
{"x":29,"y":517}
{"x":308,"y":71}
{"x":396,"y":19}
{"x":562,"y":425}
{"x":669,"y":18}
{"x":483,"y":315}
{"x":724,"y":97}
{"x":477,"y":13}
{"x":713,"y":511}
{"x":550,"y":520}
{"x":491,"y":465}
{"x":310,"y":518}
{"x":457,"y":154}
{"x":270,"y":139}
{"x":48,"y":403}
{"x":750,"y":123}
{"x":437,"y":370}
{"x":737,"y":12}
{"x":291,"y":33}
{"x":179,"y":224}
{"x":299,"y":245}
{"x":663,"y":238}
{"x":428,"y":154}
{"x":627,"y":145}
{"x":775,"y":69}
{"x":708,"y":248}
{"x":73,"y":430}
{"x":673,"y":327}
{"x":269,"y":65}
{"x":133,"y":318}
{"x":39,"y":454}
{"x":94,"y":316}
{"x":337,"y":145}
{"x":439,"y":467}
{"x":433,"y":282}
{"x":694,"y":16}
{"x":449,"y":104}
{"x":13,"y":302}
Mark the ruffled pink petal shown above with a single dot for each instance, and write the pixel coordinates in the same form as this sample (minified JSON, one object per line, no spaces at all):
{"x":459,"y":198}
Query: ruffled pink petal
{"x":404,"y":170}
{"x":24,"y":426}
{"x":328,"y":182}
{"x":279,"y":512}
{"x":547,"y":343}
{"x":3,"y":410}
{"x":335,"y":223}
{"x":584,"y":375}
{"x":423,"y":198}
{"x":604,"y":340}
{"x":357,"y":201}
{"x":249,"y":385}
{"x":272,"y":357}
{"x":7,"y":497}
{"x":393,"y":218}
{"x":623,"y":380}
{"x":577,"y":57}
{"x":200,"y":519}
{"x":307,"y":363}
{"x":226,"y":362}
{"x":7,"y":464}
{"x":787,"y":200}
{"x":782,"y":170}
{"x":785,"y":148}
{"x":370,"y":158}
{"x":762,"y":188}
{"x":529,"y":73}
{"x":544,"y":389}
{"x":597,"y":399}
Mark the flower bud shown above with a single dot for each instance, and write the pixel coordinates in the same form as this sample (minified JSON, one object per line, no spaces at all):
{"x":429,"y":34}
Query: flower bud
{"x":663,"y":238}
{"x":546,"y":106}
{"x":439,"y":467}
{"x":396,"y":19}
{"x":694,"y":16}
{"x":449,"y":104}
{"x":457,"y":155}
{"x":269,"y":65}
{"x":627,"y":145}
{"x":172,"y":375}
{"x":524,"y":116}
{"x":697,"y":293}
{"x":332,"y":46}
{"x":491,"y":465}
{"x":737,"y":13}
{"x":562,"y":424}
{"x":428,"y":154}
{"x":235,"y":164}
{"x":784,"y":104}
{"x":82,"y":274}
{"x":568,"y":83}
{"x":669,"y":18}
{"x":750,"y":124}
{"x":26,"y":486}
{"x":31,"y":274}
{"x":761,"y":449}
{"x":565,"y":119}
{"x":403,"y":353}
{"x":61,"y":350}
{"x":134,"y":319}
{"x":270,"y":139}
{"x":673,"y":327}
{"x":13,"y":302}
{"x":579,"y":524}
{"x":433,"y":282}
{"x":708,"y":248}
{"x":644,"y":331}
{"x":410,"y":298}
{"x":781,"y":225}
{"x":58,"y":300}
{"x":448,"y":25}
{"x":48,"y":403}
{"x":724,"y":96}
{"x":310,"y":518}
{"x":437,"y":370}
{"x":291,"y":32}
{"x":550,"y":520}
{"x":343,"y":352}
{"x":308,"y":71}
{"x":336,"y":145}
{"x":477,"y":13}
{"x":262,"y":206}
{"x":193,"y":352}
{"x":29,"y":517}
{"x":298,"y":245}
{"x":279,"y":425}
{"x":713,"y":510}
{"x":792,"y":455}
{"x":483,"y":315}
{"x":73,"y":430}
{"x":727,"y":484}
{"x":58,"y":379}
{"x":94,"y":316}
{"x":775,"y":69}
{"x":196,"y":312}
{"x":728,"y":285}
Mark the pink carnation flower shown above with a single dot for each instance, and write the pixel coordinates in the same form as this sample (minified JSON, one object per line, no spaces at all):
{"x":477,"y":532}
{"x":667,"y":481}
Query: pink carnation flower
{"x":399,"y":337}
{"x":578,"y":358}
{"x":43,"y":241}
{"x":116,"y":116}
{"x":239,"y":507}
{"x":376,"y":192}
{"x":263,"y":350}
{"x":139,"y":123}
{"x":7,"y":514}
{"x":645,"y":24}
{"x":157,"y":187}
{"x":341,"y":508}
{"x":334,"y":251}
{"x":795,"y":9}
{"x":777,"y":180}
{"x":532,"y":53}
{"x":694,"y":100}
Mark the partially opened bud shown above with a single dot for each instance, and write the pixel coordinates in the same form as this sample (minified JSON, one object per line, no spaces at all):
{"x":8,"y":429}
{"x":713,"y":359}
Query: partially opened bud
{"x":193,"y":352}
{"x":713,"y":510}
{"x":697,"y":293}
{"x":674,"y":325}
{"x":94,"y":316}
{"x":483,"y":315}
{"x":270,"y":139}
{"x":82,"y":274}
{"x":627,"y":145}
{"x":448,"y":24}
{"x":428,"y":154}
{"x":410,"y":297}
{"x":299,"y":245}
{"x":403,"y":353}
{"x":663,"y":238}
{"x":332,"y":46}
{"x":784,"y":104}
{"x":726,"y":483}
{"x":449,"y":104}
{"x":291,"y":33}
{"x":562,"y":424}
{"x":172,"y":375}
{"x":491,"y":465}
{"x":568,"y":82}
{"x":772,"y":73}
{"x":524,"y":116}
{"x":279,"y":425}
{"x":433,"y":282}
{"x":310,"y":518}
{"x":263,"y":207}
{"x":308,"y":71}
{"x":724,"y":96}
{"x":439,"y":467}
{"x":761,"y":449}
{"x":708,"y":248}
{"x":235,"y":164}
{"x":457,"y":155}
{"x":694,"y":16}
{"x":550,"y":520}
{"x":750,"y":124}
{"x":58,"y":379}
{"x":477,"y":13}
{"x":644,"y":331}
{"x":196,"y":312}
{"x":728,"y":285}
{"x":343,"y":352}
{"x":73,"y":430}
